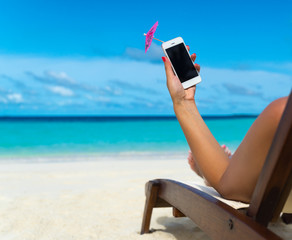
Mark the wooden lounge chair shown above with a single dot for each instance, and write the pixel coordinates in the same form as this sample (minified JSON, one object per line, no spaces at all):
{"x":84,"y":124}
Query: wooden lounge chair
{"x":217,"y":219}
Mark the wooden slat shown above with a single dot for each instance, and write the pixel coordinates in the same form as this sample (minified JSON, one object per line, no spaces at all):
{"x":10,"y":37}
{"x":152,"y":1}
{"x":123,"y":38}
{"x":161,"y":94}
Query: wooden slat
{"x":177,"y":213}
{"x":151,"y":190}
{"x":287,"y":218}
{"x":215,"y":218}
{"x":160,"y":203}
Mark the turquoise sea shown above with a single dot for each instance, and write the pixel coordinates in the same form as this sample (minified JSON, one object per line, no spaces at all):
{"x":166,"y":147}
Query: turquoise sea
{"x":43,"y":136}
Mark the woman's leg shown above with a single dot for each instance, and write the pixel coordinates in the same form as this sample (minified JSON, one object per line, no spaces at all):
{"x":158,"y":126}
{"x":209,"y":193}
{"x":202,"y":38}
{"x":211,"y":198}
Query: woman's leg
{"x":194,"y":165}
{"x":247,"y":161}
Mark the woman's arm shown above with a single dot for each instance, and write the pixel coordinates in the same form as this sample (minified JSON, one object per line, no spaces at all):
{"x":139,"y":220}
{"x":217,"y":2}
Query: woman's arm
{"x":210,"y":157}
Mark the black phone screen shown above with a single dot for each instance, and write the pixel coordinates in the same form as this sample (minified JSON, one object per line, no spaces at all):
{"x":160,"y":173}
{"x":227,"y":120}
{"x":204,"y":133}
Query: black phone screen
{"x":181,"y":62}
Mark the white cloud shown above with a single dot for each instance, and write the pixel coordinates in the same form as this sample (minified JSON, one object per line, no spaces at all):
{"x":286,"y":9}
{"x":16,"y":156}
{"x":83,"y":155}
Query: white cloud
{"x":154,"y":53}
{"x":117,"y":83}
{"x":15,"y":97}
{"x":284,"y":66}
{"x":62,"y":76}
{"x":103,"y":99}
{"x":3,"y":100}
{"x":65,"y":92}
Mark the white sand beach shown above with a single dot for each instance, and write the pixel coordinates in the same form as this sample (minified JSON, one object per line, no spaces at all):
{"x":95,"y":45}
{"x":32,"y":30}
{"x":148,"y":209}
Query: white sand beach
{"x":96,"y":197}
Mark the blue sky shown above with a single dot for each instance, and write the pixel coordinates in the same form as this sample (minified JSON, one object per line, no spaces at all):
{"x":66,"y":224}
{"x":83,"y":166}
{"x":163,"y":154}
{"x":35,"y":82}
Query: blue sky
{"x":87,"y":57}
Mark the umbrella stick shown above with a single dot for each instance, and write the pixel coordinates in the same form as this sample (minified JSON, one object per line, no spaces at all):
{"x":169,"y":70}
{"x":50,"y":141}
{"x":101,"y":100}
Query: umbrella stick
{"x":154,"y":38}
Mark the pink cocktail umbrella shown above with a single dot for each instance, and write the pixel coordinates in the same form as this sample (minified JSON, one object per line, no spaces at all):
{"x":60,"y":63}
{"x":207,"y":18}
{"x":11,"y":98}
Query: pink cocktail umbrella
{"x":150,"y":36}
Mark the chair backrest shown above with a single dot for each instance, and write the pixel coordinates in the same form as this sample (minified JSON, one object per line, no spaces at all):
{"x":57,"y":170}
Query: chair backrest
{"x":275,"y":180}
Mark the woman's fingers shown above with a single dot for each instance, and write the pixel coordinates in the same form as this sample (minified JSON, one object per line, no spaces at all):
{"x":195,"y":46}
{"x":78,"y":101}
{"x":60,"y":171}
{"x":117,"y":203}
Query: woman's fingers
{"x":197,"y":66}
{"x":193,"y":57}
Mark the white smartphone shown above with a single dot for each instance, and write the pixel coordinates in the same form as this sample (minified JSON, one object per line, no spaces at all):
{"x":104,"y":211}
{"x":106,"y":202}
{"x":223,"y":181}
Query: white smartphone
{"x":181,"y":62}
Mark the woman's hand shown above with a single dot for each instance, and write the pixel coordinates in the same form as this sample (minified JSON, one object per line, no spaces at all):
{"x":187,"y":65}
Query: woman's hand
{"x":175,"y":88}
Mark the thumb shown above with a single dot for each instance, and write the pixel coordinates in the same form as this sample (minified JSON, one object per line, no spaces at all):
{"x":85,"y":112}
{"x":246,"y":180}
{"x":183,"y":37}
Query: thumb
{"x":168,"y":69}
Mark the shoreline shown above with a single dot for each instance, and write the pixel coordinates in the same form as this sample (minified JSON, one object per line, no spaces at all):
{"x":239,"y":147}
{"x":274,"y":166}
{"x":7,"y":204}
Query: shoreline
{"x":101,"y":118}
{"x":92,"y":157}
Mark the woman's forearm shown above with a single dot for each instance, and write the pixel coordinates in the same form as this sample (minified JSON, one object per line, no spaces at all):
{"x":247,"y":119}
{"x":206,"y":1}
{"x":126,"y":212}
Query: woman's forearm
{"x":210,"y":157}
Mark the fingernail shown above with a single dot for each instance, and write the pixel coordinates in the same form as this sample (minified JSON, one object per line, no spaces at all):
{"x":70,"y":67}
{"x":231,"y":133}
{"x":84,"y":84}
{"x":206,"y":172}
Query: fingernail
{"x":163,"y":59}
{"x":224,"y":146}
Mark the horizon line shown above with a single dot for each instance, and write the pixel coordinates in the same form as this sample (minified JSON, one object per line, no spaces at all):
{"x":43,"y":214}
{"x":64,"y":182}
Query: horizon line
{"x":114,"y":117}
